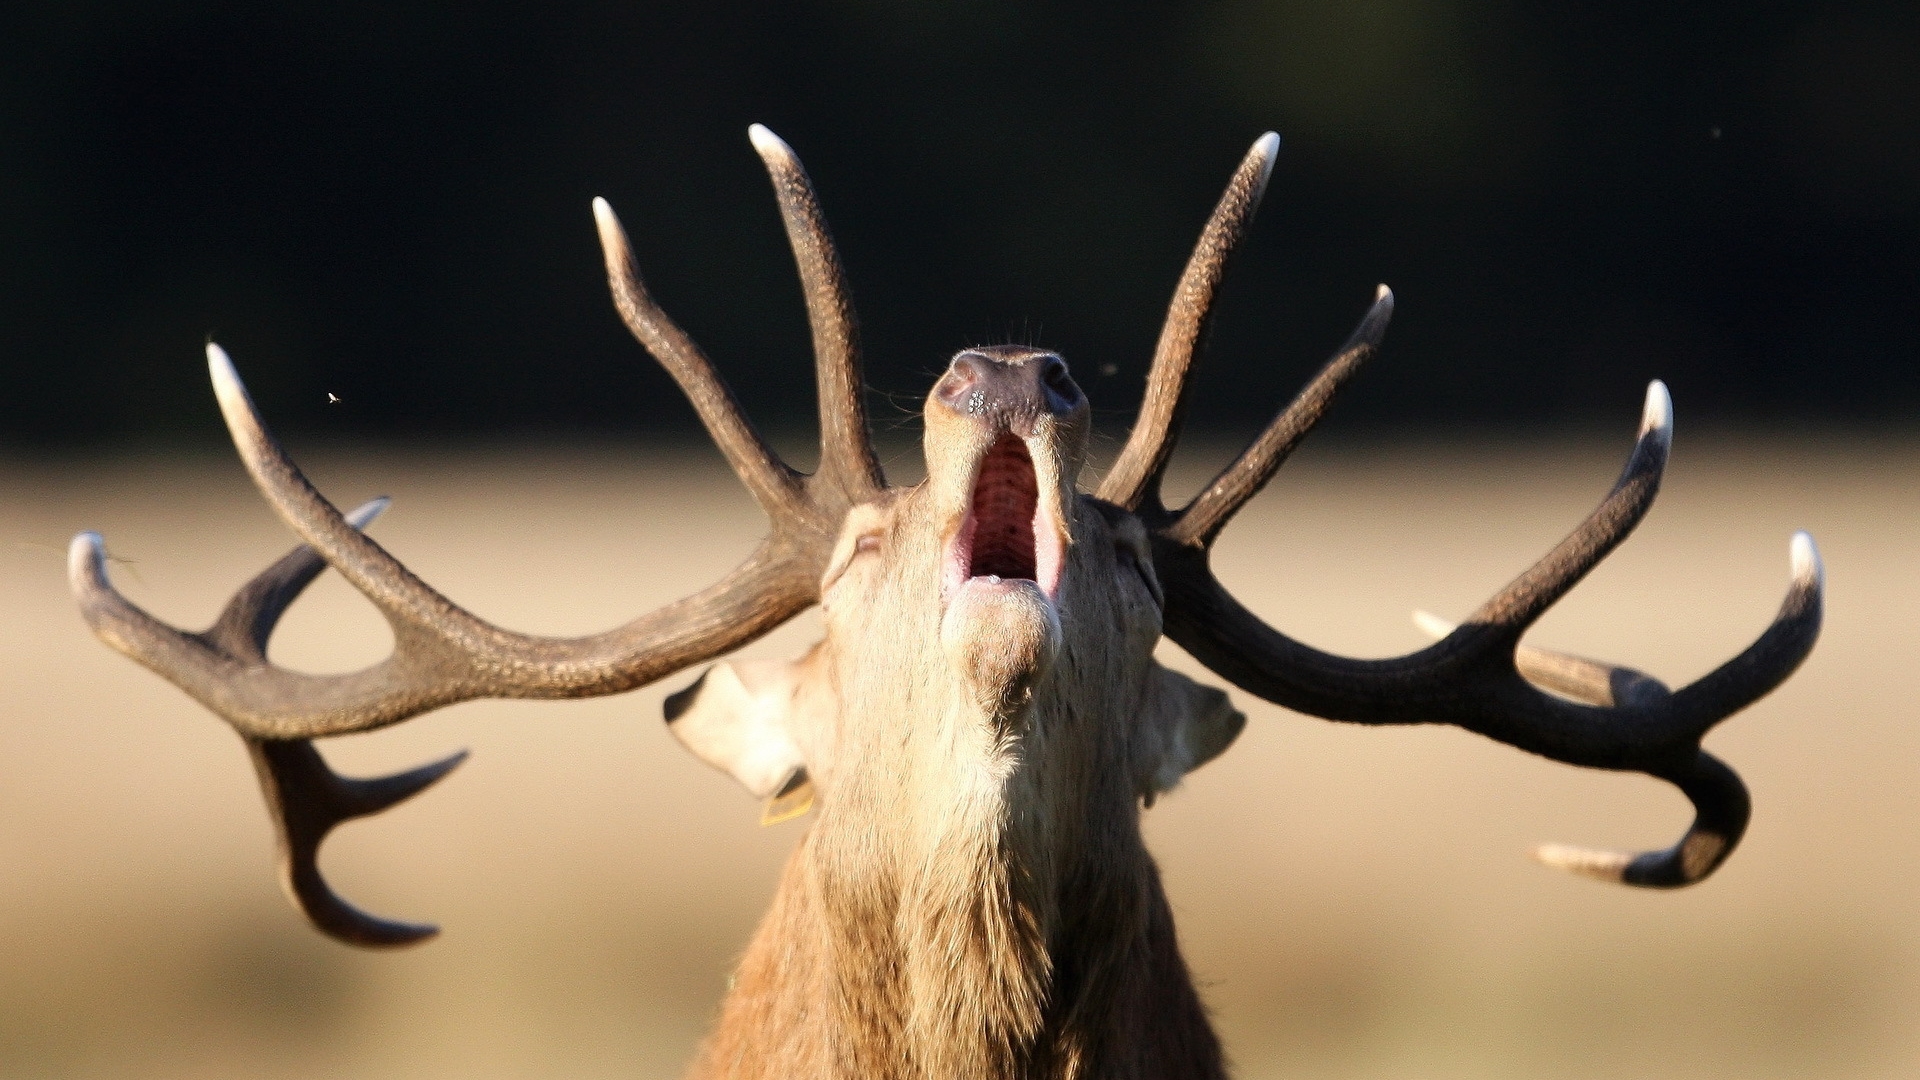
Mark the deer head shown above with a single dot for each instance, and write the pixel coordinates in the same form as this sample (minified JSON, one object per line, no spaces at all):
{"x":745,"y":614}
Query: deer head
{"x":983,"y":719}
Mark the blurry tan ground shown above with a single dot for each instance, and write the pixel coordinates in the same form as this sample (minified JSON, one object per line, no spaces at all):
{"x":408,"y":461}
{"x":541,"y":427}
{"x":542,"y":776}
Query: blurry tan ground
{"x":1357,"y":902}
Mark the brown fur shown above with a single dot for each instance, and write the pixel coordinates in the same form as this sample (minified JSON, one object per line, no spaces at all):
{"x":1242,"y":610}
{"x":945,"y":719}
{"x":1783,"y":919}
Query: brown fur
{"x":974,"y":898}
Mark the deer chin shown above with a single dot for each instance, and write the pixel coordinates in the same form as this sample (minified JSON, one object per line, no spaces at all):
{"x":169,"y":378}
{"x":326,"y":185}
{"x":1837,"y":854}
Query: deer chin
{"x":1000,"y":636}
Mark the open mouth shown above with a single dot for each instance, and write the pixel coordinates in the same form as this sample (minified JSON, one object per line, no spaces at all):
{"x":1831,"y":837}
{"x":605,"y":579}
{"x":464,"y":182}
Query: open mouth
{"x":1004,"y":537}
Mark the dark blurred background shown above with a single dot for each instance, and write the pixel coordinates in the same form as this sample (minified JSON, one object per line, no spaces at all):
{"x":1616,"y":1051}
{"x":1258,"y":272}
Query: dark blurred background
{"x":389,"y":203}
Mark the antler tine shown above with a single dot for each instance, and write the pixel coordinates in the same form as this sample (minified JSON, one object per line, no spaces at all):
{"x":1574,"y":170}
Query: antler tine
{"x":238,"y":636}
{"x":307,"y":800}
{"x":774,"y":485}
{"x":247,"y":622}
{"x":1510,"y":611}
{"x":442,"y":653}
{"x":304,"y":797}
{"x":847,"y":459}
{"x":1477,"y":676}
{"x":1721,"y":810}
{"x":1720,"y":800}
{"x":1595,"y":682}
{"x":1202,"y":519}
{"x":1754,"y":673}
{"x":1135,"y":475}
{"x":394,"y":589}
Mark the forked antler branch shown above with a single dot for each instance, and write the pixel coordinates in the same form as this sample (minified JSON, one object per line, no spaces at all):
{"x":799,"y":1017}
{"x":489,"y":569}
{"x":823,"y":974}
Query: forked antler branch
{"x":444,"y":654}
{"x":1478,"y":676}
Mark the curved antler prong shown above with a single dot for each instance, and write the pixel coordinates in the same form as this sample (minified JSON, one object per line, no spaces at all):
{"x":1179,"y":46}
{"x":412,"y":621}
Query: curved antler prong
{"x":774,"y":485}
{"x":1775,"y":654}
{"x":1134,"y":479}
{"x":247,"y":622}
{"x":382,"y":578}
{"x":126,"y":626}
{"x":1594,"y":682}
{"x":847,"y":459}
{"x":443,"y":654}
{"x":307,"y":800}
{"x":1515,"y":608}
{"x":1722,"y":808}
{"x":1209,"y":511}
{"x":1480,"y":678}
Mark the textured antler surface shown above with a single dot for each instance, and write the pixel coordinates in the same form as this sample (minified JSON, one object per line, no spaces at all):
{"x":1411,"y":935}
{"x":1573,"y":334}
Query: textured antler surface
{"x":1478,"y":676}
{"x":444,"y":654}
{"x":847,"y":460}
{"x":1135,"y":475}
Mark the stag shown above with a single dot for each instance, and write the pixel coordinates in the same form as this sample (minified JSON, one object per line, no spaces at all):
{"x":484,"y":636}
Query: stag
{"x":983,"y":722}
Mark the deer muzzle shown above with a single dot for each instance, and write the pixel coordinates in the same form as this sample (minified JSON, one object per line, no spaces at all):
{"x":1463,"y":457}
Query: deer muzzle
{"x":1004,"y":427}
{"x":1003,"y":424}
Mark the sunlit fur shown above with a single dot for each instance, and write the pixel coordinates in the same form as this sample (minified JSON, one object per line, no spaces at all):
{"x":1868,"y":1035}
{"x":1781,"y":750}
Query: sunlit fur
{"x":973,"y":898}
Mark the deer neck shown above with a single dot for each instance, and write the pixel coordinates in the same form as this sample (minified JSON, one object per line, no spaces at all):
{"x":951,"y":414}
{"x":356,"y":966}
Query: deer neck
{"x":981,"y":906}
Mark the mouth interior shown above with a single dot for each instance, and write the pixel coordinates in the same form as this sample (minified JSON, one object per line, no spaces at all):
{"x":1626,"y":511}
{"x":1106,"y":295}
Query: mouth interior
{"x":1005,"y":498}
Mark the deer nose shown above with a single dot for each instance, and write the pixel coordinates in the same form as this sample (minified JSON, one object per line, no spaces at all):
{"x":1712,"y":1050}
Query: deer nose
{"x":1008,"y":387}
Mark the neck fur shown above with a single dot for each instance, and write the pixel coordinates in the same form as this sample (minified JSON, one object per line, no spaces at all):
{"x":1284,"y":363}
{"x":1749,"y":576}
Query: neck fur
{"x":919,"y":930}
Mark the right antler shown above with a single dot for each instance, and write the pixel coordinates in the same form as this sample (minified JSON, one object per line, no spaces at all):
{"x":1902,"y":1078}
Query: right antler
{"x":1478,"y":676}
{"x":444,"y":654}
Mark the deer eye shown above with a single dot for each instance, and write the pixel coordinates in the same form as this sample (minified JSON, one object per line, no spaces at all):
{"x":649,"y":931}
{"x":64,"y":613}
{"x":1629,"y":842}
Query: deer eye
{"x":863,"y":544}
{"x":866,"y":524}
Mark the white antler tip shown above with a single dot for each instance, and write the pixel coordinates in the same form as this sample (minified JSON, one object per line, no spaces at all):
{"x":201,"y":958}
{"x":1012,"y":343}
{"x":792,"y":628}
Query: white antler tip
{"x":1265,"y":149}
{"x":1382,"y":294}
{"x":1587,"y":862}
{"x":604,"y":218}
{"x":1805,"y":559}
{"x":766,"y":143}
{"x":1658,"y":413}
{"x":226,"y":381}
{"x":363,"y":515}
{"x":85,"y":555}
{"x":1432,"y":625}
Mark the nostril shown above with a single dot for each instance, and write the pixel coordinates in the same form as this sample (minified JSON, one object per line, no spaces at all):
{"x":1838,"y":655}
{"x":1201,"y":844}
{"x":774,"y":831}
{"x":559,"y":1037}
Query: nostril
{"x":1062,"y":394}
{"x":961,"y":379}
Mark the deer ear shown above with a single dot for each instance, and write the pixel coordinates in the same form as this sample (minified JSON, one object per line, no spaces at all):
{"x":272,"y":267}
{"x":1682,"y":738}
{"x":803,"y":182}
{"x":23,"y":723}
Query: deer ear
{"x":1188,"y":725}
{"x":762,"y":722}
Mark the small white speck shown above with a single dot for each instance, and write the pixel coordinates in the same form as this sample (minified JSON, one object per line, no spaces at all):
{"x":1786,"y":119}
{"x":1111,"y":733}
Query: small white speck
{"x":333,"y":398}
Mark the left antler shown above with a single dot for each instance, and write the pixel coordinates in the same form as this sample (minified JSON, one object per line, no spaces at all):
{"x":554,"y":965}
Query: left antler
{"x":445,"y":654}
{"x":1478,"y":676}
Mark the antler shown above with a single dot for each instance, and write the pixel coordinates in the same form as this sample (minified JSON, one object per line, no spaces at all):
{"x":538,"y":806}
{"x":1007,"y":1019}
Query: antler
{"x":444,"y":654}
{"x":1136,"y":473}
{"x":1478,"y":676}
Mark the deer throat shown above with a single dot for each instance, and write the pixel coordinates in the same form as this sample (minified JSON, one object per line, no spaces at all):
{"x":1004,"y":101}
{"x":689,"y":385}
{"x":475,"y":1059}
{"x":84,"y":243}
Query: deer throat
{"x":941,"y":945}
